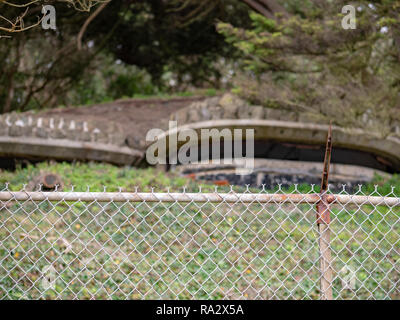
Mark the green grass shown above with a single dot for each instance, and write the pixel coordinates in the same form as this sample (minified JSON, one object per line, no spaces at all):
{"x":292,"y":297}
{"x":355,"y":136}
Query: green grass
{"x":181,"y":251}
{"x":96,"y":176}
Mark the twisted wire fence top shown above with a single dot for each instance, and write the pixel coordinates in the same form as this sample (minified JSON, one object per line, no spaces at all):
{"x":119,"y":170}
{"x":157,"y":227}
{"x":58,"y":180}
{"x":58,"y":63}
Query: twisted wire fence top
{"x":224,"y":244}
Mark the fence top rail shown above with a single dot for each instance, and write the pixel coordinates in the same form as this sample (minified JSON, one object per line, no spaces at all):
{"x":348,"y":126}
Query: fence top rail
{"x":247,"y":198}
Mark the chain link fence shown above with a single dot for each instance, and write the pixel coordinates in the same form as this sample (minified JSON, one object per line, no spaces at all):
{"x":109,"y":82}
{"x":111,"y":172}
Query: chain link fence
{"x":89,"y":245}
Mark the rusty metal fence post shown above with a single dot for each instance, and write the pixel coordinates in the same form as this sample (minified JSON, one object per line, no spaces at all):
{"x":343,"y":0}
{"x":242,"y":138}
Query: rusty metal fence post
{"x":323,"y":221}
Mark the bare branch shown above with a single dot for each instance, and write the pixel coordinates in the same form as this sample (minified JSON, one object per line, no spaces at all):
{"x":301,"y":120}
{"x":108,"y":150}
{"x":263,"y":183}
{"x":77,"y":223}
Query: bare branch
{"x":87,"y":22}
{"x":85,"y":5}
{"x":18,"y":25}
{"x":19,"y":5}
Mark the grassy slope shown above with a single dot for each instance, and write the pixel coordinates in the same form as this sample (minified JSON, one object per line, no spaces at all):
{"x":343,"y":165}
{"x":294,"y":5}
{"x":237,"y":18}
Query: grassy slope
{"x":265,"y":251}
{"x":96,"y":176}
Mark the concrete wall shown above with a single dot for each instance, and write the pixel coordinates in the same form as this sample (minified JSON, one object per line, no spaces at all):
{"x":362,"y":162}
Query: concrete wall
{"x":29,"y":135}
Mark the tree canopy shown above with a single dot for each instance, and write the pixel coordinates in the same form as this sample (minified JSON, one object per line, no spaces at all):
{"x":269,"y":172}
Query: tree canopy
{"x":306,"y":60}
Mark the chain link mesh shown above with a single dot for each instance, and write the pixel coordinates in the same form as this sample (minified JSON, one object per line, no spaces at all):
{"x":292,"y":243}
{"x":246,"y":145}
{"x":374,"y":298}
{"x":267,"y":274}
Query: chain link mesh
{"x":194,"y":246}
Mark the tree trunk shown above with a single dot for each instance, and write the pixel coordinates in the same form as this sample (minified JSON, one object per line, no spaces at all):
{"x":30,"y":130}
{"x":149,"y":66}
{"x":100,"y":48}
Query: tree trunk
{"x":268,"y":8}
{"x":10,"y":95}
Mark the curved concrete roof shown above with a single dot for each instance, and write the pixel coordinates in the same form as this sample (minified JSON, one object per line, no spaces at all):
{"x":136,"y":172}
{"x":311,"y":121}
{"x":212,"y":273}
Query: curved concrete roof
{"x":387,"y":149}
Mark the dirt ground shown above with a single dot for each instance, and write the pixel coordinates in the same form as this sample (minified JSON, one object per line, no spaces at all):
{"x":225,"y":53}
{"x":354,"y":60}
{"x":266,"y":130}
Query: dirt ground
{"x":136,"y":116}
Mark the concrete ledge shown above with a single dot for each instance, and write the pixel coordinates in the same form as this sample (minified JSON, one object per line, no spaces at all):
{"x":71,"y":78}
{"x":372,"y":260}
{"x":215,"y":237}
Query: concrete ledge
{"x":62,"y":149}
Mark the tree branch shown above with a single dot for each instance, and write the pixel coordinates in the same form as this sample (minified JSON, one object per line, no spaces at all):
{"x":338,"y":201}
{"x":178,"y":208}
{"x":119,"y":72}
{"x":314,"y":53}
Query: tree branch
{"x":274,"y":7}
{"x":87,"y":22}
{"x":18,"y":25}
{"x":259,"y":8}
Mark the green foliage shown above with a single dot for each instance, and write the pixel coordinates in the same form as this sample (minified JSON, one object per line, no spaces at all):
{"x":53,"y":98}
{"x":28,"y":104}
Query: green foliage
{"x":309,"y":62}
{"x":262,"y":24}
{"x":110,"y":81}
{"x":171,"y":37}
